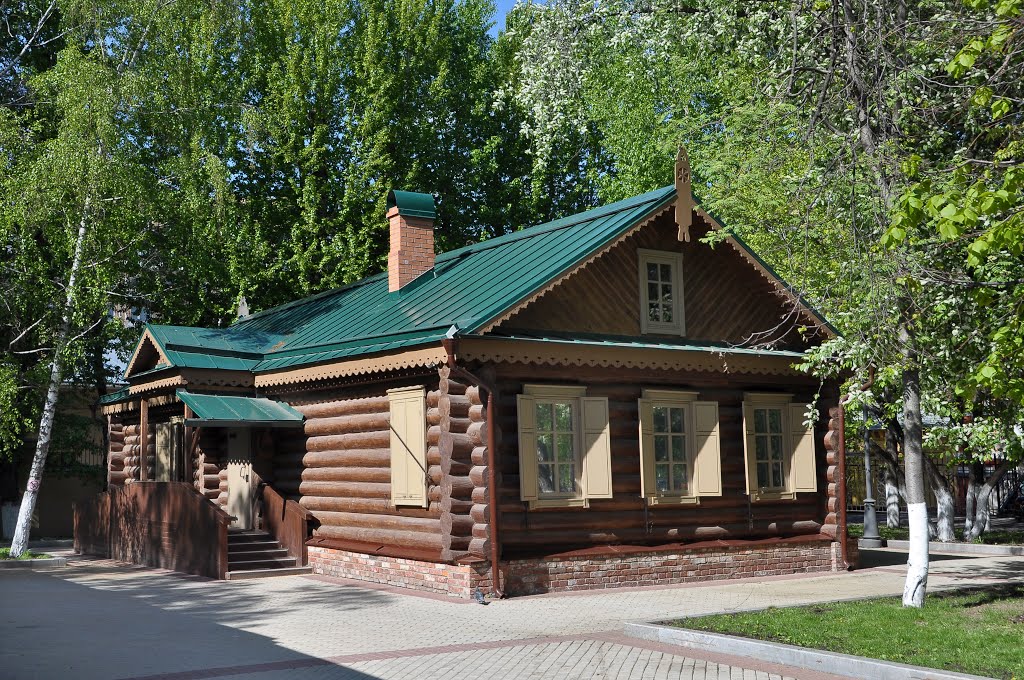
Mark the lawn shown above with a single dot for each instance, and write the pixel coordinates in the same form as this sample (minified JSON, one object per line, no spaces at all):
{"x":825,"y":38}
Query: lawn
{"x":998,"y":537}
{"x":5,"y":554}
{"x":979,"y":632}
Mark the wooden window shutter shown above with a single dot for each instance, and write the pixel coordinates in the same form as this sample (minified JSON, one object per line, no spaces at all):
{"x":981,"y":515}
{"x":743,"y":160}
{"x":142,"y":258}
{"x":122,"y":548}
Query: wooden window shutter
{"x":597,"y":448}
{"x":707,"y":462}
{"x":803,"y":472}
{"x":648,"y":486}
{"x":748,"y":448}
{"x":408,"y":447}
{"x":527,"y":447}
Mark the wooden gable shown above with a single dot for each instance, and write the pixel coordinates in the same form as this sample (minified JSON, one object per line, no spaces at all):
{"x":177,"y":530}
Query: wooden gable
{"x":147,"y":356}
{"x":727,"y":297}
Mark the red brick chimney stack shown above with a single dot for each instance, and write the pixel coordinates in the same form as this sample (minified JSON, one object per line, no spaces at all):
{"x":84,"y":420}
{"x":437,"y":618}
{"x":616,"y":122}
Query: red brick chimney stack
{"x":411,"y":217}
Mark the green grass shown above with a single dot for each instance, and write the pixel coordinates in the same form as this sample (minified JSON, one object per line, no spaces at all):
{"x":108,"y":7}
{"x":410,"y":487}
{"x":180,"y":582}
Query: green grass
{"x":5,"y":554}
{"x":979,"y":632}
{"x":998,"y":537}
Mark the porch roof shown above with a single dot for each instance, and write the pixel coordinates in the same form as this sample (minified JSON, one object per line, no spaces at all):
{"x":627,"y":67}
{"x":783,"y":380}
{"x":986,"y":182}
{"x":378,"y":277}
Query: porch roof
{"x":215,"y":409}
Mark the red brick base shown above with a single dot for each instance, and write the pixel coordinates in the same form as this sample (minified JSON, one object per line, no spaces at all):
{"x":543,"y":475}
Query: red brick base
{"x":583,"y":572}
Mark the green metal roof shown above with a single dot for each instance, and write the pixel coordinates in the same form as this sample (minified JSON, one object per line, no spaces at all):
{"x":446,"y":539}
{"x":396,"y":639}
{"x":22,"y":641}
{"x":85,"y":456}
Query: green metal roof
{"x":213,"y":409}
{"x":412,"y":204}
{"x":114,"y":397}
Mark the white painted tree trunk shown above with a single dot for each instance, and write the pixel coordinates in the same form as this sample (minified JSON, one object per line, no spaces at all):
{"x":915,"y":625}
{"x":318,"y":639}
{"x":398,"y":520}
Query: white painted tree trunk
{"x":971,"y":503}
{"x":35,"y":475}
{"x":917,"y":512}
{"x":944,"y":527}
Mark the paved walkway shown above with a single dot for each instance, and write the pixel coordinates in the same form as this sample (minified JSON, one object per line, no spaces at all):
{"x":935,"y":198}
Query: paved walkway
{"x":99,"y":619}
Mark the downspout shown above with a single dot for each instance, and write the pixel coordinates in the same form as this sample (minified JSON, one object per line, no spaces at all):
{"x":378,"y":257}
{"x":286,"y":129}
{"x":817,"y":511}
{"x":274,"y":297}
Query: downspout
{"x":450,"y":345}
{"x":841,"y":489}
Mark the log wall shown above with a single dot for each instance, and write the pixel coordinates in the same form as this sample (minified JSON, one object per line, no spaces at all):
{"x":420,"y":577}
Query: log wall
{"x":116,"y":474}
{"x":624,"y":519}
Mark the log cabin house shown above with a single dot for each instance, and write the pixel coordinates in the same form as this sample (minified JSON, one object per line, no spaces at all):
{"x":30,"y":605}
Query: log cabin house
{"x":599,"y":401}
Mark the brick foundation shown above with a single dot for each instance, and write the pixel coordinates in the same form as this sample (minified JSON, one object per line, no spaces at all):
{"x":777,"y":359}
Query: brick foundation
{"x":584,"y":572}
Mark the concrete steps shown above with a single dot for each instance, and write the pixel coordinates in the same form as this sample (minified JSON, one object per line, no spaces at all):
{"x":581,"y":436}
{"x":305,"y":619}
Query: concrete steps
{"x":256,"y":554}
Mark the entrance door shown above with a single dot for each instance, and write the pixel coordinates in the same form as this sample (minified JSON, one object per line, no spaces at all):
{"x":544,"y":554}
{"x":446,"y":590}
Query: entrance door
{"x":239,"y":472}
{"x":168,"y":467}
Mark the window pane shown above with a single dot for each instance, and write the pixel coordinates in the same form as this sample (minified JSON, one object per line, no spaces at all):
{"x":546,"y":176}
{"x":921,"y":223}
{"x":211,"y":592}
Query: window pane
{"x":545,"y":449}
{"x":652,"y":271}
{"x":678,"y":449}
{"x":546,"y":478}
{"x":544,"y":416}
{"x":679,"y":477}
{"x":666,"y":272}
{"x":652,"y":292}
{"x":776,"y":448}
{"x":661,"y":477}
{"x":666,"y":313}
{"x":654,"y":312}
{"x":762,"y":475}
{"x":677,"y":420}
{"x":760,"y":420}
{"x":660,"y":448}
{"x":775,"y":420}
{"x":661,"y":418}
{"x":760,"y":448}
{"x":666,"y":292}
{"x":565,"y":454}
{"x":563,"y":417}
{"x":777,"y":475}
{"x":566,"y":483}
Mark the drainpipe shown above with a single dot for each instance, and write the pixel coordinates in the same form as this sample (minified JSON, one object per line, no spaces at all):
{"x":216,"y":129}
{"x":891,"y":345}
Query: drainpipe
{"x":450,"y":345}
{"x":843,"y":538}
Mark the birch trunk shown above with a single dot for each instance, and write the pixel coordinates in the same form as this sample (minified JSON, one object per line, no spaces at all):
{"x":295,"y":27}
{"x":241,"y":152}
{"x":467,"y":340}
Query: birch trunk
{"x":982,"y":504}
{"x":892,"y":500}
{"x":944,"y":504}
{"x":35,"y":475}
{"x":971,"y":502}
{"x":917,"y":562}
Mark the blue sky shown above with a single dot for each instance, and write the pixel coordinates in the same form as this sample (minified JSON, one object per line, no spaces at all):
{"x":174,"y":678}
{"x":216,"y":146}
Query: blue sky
{"x":501,"y":9}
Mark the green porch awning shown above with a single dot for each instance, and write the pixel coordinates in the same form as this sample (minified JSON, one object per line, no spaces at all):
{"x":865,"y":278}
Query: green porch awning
{"x":224,"y":411}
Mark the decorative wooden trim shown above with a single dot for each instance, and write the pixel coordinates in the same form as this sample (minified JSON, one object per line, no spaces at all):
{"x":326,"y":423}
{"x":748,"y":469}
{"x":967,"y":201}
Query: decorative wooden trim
{"x":552,"y":353}
{"x":681,"y":396}
{"x":172,"y":381}
{"x":132,"y":405}
{"x":426,"y":356}
{"x":508,"y":314}
{"x":767,"y":275}
{"x":145,"y":336}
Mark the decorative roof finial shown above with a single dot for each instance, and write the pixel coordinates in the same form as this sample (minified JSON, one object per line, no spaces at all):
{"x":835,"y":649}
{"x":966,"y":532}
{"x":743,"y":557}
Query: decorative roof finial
{"x":243,"y":308}
{"x":684,"y":196}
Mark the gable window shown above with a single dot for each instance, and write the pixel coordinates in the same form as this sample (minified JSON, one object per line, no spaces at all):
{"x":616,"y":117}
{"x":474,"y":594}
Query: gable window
{"x":564,"y":446}
{"x":680,"y":458}
{"x":779,"y":450}
{"x":661,"y":292}
{"x":408,"y":425}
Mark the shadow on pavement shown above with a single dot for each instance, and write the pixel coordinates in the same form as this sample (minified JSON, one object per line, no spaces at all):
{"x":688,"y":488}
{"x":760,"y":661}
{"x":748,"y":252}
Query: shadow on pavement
{"x":891,"y":558}
{"x":54,"y":628}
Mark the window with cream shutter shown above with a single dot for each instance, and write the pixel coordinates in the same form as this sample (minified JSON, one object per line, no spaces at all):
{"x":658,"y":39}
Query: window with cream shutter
{"x":564,"y":446}
{"x":680,"y":457}
{"x":778,"y":448}
{"x":408,"y":446}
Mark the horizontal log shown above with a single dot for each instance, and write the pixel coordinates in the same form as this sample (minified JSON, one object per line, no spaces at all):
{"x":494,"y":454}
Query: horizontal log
{"x":222,"y":485}
{"x":481,"y":495}
{"x":480,"y":513}
{"x":117,"y":477}
{"x":365,"y":505}
{"x":473,"y":394}
{"x":478,"y":413}
{"x":378,"y":457}
{"x":391,"y":537}
{"x":329,"y":409}
{"x":346,"y":489}
{"x":477,"y":434}
{"x":363,"y":422}
{"x":393,"y":521}
{"x":480,"y":547}
{"x":347,"y":474}
{"x":358,"y":440}
{"x":480,"y":531}
{"x":212,"y":494}
{"x":457,"y":469}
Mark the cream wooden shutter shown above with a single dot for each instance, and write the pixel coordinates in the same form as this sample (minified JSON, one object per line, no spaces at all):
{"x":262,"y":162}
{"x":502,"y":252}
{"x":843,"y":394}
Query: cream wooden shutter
{"x":408,"y":447}
{"x":749,"y":453}
{"x":803,"y":472}
{"x":707,"y":461}
{"x":527,"y":447}
{"x":648,"y":485}
{"x":597,"y":448}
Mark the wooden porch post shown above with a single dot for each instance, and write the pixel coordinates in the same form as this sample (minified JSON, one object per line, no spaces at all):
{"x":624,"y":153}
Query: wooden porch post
{"x":187,"y":447}
{"x":144,"y":439}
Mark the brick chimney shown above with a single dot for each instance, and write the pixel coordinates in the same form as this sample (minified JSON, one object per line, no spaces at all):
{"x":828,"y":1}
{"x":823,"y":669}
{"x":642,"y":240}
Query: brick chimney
{"x":411,"y":217}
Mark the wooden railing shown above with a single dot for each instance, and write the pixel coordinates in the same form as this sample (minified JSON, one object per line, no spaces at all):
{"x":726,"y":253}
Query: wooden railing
{"x":156,"y":524}
{"x":284,"y":519}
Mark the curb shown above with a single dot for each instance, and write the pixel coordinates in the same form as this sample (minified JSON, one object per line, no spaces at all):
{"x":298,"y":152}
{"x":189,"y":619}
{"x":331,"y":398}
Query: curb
{"x":790,"y":655}
{"x":38,"y":563}
{"x":963,"y":548}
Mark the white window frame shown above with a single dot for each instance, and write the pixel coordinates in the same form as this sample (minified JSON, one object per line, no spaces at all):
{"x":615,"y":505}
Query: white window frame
{"x":685,"y":401}
{"x":782,"y":403}
{"x":675,"y":262}
{"x":573,"y":395}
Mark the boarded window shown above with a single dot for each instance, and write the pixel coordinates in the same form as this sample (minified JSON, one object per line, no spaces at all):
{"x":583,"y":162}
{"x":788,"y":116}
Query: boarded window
{"x":408,"y":446}
{"x":680,"y":458}
{"x":779,"y":449}
{"x":564,"y":446}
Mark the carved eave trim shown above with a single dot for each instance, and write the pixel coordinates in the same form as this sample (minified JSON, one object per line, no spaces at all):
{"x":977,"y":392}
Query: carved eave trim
{"x":146,"y":337}
{"x":526,"y":302}
{"x":768,"y":276}
{"x":214,"y":377}
{"x":553,"y":353}
{"x":162,"y":383}
{"x":123,"y":407}
{"x":416,"y":358}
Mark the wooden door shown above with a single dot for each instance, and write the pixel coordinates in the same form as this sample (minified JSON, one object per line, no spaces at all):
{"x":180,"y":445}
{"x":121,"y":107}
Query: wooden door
{"x":168,"y":464}
{"x":240,"y":497}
